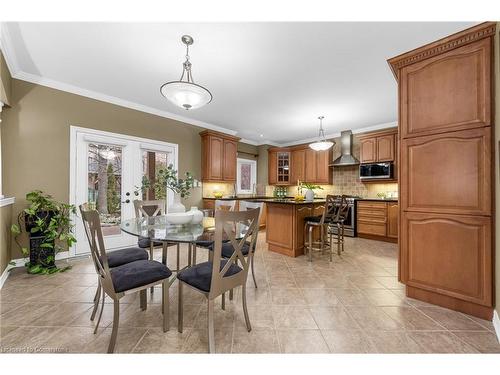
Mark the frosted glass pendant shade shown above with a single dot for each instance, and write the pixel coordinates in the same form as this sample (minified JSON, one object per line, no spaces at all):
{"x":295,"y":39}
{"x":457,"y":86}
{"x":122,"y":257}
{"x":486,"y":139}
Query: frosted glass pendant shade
{"x":186,"y":95}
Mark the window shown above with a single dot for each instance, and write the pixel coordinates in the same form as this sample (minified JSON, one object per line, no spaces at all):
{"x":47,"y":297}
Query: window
{"x":246,"y":176}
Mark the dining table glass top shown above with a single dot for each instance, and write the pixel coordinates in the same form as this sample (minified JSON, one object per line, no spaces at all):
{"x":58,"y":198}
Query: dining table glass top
{"x":159,"y":229}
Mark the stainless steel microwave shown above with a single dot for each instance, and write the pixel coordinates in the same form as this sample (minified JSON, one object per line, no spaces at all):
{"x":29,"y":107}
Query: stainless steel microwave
{"x":375,"y":171}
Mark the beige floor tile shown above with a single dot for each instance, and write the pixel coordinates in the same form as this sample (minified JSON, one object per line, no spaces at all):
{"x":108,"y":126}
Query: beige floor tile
{"x":6,"y":307}
{"x":126,"y":340}
{"x":365,"y":282}
{"x":71,"y":339}
{"x":26,"y":339}
{"x":287,"y":296}
{"x":485,"y":323}
{"x":310,"y":282}
{"x":27,"y":314}
{"x":83,"y":320}
{"x":302,"y":341}
{"x":440,"y":342}
{"x":335,"y":317}
{"x":373,"y":318}
{"x":320,"y":297}
{"x":412,"y":319}
{"x":384,"y":297}
{"x":261,"y":317}
{"x":352,"y":297}
{"x":4,"y":330}
{"x":347,"y":341}
{"x":282,"y":281}
{"x":293,"y":317}
{"x":451,"y":320}
{"x":197,"y":342}
{"x":390,"y":282}
{"x":63,"y":315}
{"x":392,"y":342}
{"x":157,"y":341}
{"x":66,"y":294}
{"x":485,"y":342}
{"x":223,"y":319}
{"x":259,"y":340}
{"x":259,"y":296}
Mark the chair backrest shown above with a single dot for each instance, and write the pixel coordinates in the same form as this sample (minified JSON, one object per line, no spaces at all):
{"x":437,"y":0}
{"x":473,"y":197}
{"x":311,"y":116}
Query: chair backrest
{"x":92,"y":225}
{"x":224,"y":205}
{"x":250,"y":205}
{"x":336,"y":208}
{"x":149,"y":208}
{"x":240,"y":228}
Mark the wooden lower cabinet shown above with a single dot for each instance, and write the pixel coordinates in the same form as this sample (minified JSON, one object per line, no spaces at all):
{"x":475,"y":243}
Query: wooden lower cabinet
{"x":377,"y":220}
{"x":459,"y":249}
{"x":285,"y":226}
{"x":209,"y":204}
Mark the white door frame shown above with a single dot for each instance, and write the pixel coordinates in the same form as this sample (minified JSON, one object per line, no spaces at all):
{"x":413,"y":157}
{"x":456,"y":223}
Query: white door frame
{"x":93,"y":134}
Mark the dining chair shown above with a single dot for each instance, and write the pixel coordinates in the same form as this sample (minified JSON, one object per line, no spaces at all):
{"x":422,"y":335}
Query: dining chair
{"x":136,"y":276}
{"x":115,"y":258}
{"x":225,"y":205}
{"x":149,"y":208}
{"x":215,"y":277}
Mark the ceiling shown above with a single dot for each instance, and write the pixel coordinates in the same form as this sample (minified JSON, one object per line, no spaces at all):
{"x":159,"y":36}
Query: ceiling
{"x":270,"y":81}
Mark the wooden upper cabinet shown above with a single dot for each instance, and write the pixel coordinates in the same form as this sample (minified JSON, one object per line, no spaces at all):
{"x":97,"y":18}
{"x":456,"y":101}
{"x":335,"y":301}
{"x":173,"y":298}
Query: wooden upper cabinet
{"x":448,"y":254}
{"x":272,"y":170}
{"x":385,"y":148}
{"x":323,"y":169}
{"x":447,"y":92}
{"x":298,"y":166}
{"x":230,"y":156}
{"x":368,"y":150}
{"x":310,"y":165}
{"x":447,"y":173}
{"x":219,"y":153}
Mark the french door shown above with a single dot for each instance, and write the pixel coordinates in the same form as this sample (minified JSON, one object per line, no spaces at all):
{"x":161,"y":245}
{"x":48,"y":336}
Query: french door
{"x":106,"y":170}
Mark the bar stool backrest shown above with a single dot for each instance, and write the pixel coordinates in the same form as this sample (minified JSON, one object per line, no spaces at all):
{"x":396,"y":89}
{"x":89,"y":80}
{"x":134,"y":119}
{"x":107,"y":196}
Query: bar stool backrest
{"x":249,"y":205}
{"x":239,"y":227}
{"x":331,"y":209}
{"x":342,"y":208}
{"x":149,"y":208}
{"x":92,"y":225}
{"x":225,"y":205}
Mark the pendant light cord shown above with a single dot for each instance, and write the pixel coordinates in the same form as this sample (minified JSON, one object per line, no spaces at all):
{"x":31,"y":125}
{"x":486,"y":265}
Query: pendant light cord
{"x":186,"y":68}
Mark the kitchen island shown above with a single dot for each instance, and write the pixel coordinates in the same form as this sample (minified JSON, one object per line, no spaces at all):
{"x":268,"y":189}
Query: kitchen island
{"x":285,"y":224}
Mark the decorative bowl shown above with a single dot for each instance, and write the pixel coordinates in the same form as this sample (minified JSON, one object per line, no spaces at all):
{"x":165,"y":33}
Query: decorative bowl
{"x":180,"y":218}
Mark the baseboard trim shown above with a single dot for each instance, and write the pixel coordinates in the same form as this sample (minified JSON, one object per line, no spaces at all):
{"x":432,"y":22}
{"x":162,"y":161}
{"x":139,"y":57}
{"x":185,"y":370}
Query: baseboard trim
{"x":496,"y":324}
{"x":5,"y":275}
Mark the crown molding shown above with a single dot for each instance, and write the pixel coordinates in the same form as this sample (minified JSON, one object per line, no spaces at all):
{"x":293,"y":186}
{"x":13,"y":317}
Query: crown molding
{"x":462,"y":38}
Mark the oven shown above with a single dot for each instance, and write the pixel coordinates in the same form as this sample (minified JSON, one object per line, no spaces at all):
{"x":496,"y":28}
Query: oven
{"x":350,"y":221}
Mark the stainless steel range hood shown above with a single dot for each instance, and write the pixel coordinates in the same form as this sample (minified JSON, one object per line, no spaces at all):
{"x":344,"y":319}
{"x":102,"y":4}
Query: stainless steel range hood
{"x":345,"y":157}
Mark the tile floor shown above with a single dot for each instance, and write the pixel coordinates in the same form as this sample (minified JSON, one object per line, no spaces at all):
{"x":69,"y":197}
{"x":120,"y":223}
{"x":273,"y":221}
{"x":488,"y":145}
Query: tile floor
{"x":352,"y":305}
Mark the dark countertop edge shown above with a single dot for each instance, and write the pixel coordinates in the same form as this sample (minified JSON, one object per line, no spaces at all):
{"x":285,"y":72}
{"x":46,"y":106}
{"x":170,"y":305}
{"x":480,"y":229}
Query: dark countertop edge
{"x":297,"y":203}
{"x":378,"y":199}
{"x":237,"y":198}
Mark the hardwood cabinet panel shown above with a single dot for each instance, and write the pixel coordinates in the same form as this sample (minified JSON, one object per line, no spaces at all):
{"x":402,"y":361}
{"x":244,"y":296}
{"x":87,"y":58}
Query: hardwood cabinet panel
{"x":385,"y":148}
{"x":368,"y":150}
{"x":216,"y":158}
{"x":323,"y":170}
{"x":372,"y":228}
{"x":297,"y":166}
{"x":272,"y":172}
{"x":310,"y":165}
{"x":392,"y":220}
{"x":230,"y":156}
{"x":371,"y":205}
{"x":449,"y":254}
{"x":448,"y":173}
{"x":209,"y":204}
{"x":447,"y":92}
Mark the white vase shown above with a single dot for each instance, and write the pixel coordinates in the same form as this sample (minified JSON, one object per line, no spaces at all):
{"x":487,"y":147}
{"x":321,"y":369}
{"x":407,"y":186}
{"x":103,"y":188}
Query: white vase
{"x":197,"y":215}
{"x":176,"y":206}
{"x":309,"y":196}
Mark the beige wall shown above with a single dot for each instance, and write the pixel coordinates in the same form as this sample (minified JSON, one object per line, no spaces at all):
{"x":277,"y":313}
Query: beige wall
{"x":5,"y":238}
{"x":497,"y":166}
{"x":5,"y":79}
{"x":36,"y":133}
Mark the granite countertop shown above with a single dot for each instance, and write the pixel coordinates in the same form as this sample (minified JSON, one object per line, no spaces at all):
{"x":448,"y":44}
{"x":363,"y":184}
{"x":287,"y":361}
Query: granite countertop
{"x":378,"y":199}
{"x":291,"y":201}
{"x":238,"y":198}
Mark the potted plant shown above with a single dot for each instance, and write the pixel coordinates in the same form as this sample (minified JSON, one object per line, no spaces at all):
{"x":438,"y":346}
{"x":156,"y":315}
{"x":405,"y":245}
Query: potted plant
{"x":309,"y":195}
{"x":49,"y":227}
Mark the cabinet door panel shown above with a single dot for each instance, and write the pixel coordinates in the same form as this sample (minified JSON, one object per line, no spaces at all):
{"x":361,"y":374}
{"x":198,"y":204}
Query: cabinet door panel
{"x":310,"y":165}
{"x":216,"y":158}
{"x":448,"y":92}
{"x":385,"y":148}
{"x":459,"y":249}
{"x":323,"y":171}
{"x":230,"y":156}
{"x":297,"y":166}
{"x":447,"y":173}
{"x":272,"y":171}
{"x":368,"y":150}
{"x":392,"y":220}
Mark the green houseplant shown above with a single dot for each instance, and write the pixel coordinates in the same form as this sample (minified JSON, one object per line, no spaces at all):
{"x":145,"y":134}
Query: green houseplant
{"x":49,"y":226}
{"x":309,"y":194}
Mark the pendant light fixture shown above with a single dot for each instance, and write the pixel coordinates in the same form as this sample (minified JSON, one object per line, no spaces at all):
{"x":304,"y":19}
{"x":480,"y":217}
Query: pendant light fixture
{"x":322,"y":144}
{"x":185,"y":93}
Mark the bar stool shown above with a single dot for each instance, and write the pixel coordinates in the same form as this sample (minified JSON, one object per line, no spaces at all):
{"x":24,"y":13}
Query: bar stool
{"x":337,"y":222}
{"x":322,"y":222}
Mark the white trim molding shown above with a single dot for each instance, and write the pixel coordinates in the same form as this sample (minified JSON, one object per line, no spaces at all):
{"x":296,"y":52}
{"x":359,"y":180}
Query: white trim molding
{"x":7,"y":201}
{"x":496,"y":324}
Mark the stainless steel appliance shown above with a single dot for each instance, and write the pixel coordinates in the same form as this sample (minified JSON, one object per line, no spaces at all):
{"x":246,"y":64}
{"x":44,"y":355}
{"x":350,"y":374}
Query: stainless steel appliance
{"x":375,"y":171}
{"x":350,"y":221}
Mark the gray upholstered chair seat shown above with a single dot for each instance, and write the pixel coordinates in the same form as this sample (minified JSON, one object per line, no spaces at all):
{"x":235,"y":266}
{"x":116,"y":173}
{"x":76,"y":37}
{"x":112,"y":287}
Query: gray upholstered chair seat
{"x":119,"y":257}
{"x":200,"y":275}
{"x":144,"y":243}
{"x":206,"y":244}
{"x":137,"y":274}
{"x":316,"y":219}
